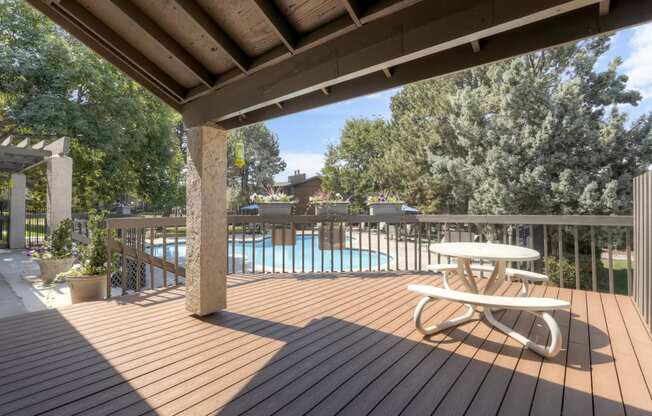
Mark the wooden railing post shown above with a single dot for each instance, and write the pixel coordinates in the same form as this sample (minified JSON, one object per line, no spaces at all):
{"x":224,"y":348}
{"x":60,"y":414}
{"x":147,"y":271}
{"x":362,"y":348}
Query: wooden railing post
{"x":642,"y":248}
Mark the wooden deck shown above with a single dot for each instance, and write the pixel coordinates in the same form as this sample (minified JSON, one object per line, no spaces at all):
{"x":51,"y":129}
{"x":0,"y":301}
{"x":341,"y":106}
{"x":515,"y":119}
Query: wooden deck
{"x":319,"y":345}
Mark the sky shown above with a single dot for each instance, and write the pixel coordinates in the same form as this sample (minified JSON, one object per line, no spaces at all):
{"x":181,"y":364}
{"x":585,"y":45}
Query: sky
{"x":304,"y":137}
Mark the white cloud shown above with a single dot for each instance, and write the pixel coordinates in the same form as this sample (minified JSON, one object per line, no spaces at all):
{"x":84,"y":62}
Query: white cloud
{"x":638,"y":66}
{"x":308,"y":163}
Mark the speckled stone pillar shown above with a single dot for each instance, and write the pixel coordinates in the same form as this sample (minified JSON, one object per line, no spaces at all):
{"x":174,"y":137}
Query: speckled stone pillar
{"x":206,"y":221}
{"x":17,"y":211}
{"x":59,"y":202}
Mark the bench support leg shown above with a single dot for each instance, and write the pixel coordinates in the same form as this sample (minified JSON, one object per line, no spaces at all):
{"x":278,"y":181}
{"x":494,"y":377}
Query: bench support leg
{"x":547,"y":351}
{"x":444,"y":325}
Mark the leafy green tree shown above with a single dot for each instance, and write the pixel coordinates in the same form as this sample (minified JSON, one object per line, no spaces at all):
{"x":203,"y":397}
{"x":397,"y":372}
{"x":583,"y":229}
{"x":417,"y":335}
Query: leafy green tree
{"x":262,"y":161}
{"x":354,"y":167}
{"x":538,"y":134}
{"x":123,"y":138}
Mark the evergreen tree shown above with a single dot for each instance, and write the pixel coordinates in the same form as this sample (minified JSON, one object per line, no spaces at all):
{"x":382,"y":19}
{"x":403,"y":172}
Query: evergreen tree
{"x":540,"y":134}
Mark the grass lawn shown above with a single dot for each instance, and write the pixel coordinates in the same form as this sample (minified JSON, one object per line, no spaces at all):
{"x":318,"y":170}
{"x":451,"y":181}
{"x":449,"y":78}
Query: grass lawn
{"x":620,"y":276}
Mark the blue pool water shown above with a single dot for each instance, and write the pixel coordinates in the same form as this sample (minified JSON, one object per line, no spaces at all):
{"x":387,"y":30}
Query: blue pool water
{"x":342,"y":260}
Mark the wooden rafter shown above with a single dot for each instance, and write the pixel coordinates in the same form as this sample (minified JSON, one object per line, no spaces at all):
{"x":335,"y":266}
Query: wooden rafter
{"x":114,"y":41}
{"x":281,"y":27}
{"x":568,"y":28}
{"x":396,"y":39}
{"x":216,"y":33}
{"x":165,"y":40}
{"x":604,"y":7}
{"x":354,"y":10}
{"x":475,"y":45}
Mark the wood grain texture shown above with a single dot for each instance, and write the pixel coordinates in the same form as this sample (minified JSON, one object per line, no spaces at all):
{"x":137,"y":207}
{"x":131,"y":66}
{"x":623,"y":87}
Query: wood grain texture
{"x":320,"y":344}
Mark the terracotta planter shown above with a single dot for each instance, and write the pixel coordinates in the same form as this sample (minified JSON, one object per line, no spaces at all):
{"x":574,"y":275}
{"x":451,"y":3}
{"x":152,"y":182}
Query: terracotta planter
{"x":87,"y":288}
{"x":275,"y":208}
{"x":332,"y":208}
{"x":385,"y":208}
{"x":52,"y":267}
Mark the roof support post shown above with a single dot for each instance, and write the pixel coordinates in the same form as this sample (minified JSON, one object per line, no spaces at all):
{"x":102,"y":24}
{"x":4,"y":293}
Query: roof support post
{"x":59,"y":195}
{"x":17,"y":211}
{"x":206,"y":221}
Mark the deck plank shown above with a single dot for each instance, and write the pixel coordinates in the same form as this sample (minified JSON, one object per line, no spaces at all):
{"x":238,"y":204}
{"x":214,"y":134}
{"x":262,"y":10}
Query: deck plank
{"x":489,"y":396}
{"x":320,"y":345}
{"x":578,"y":392}
{"x":435,"y":377}
{"x":636,"y":396}
{"x":607,"y":399}
{"x":136,"y":366}
{"x":161,"y":372}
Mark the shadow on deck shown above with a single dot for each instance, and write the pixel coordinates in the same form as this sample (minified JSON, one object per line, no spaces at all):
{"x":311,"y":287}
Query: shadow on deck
{"x":321,"y":345}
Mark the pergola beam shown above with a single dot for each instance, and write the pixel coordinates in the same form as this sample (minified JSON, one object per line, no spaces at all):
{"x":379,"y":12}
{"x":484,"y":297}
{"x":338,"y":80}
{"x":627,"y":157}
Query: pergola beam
{"x":216,"y":33}
{"x":571,"y":27}
{"x":157,"y":34}
{"x":281,"y":27}
{"x":415,"y":32}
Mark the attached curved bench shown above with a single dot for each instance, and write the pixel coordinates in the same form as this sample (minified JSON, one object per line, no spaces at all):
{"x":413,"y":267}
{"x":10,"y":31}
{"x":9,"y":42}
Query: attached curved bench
{"x":537,"y":306}
{"x":526,"y":277}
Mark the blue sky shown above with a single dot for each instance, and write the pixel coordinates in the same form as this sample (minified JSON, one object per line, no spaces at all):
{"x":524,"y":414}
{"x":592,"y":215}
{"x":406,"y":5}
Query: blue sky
{"x":305,"y":136}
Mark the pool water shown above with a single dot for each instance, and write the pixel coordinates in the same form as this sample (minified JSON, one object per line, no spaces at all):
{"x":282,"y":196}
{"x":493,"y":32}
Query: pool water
{"x":312,"y":259}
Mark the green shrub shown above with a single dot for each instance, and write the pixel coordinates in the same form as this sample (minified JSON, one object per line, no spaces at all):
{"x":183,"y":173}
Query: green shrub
{"x":93,"y":259}
{"x":568,"y":268}
{"x":59,"y":244}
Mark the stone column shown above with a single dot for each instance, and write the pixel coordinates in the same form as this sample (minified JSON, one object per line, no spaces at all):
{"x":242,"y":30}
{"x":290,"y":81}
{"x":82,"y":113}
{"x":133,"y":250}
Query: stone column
{"x":59,"y":201}
{"x":206,"y":221}
{"x":17,"y":211}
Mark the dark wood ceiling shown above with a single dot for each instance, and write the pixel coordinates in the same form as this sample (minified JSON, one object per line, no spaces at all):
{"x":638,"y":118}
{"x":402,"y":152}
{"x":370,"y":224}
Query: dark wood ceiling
{"x":234,"y":62}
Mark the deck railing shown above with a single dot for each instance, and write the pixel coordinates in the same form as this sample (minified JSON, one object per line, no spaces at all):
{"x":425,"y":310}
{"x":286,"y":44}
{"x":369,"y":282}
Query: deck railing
{"x":588,"y":252}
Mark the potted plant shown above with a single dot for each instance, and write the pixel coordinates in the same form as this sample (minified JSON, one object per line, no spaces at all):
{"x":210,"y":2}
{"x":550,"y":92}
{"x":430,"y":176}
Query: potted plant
{"x":87,"y":279}
{"x":55,"y":256}
{"x":273,"y":202}
{"x":326,"y":203}
{"x":384,"y":203}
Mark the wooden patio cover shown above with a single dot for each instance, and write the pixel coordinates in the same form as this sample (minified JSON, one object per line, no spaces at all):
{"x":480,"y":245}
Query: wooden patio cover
{"x":235,"y":62}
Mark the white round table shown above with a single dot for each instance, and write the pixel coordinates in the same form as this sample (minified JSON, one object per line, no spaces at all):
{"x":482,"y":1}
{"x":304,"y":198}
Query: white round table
{"x":500,"y":254}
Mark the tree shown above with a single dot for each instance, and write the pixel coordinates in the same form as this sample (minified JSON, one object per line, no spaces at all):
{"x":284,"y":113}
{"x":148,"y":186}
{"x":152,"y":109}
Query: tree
{"x":354,"y":167}
{"x":123,"y":138}
{"x":538,"y":134}
{"x":262,"y":161}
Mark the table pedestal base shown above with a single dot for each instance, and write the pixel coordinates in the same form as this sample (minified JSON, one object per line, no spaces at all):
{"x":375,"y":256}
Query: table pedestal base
{"x":549,"y":350}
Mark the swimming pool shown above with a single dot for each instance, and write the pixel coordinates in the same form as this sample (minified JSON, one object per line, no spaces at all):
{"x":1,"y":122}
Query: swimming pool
{"x":274,"y":256}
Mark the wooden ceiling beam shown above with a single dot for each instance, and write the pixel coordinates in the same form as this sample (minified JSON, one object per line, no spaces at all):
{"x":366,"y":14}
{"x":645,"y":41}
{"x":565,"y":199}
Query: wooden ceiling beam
{"x":114,"y":41}
{"x":410,"y":34}
{"x":160,"y":36}
{"x":354,"y":10}
{"x":216,"y":33}
{"x":319,"y":36}
{"x":281,"y":27}
{"x":475,"y":45}
{"x":571,"y":27}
